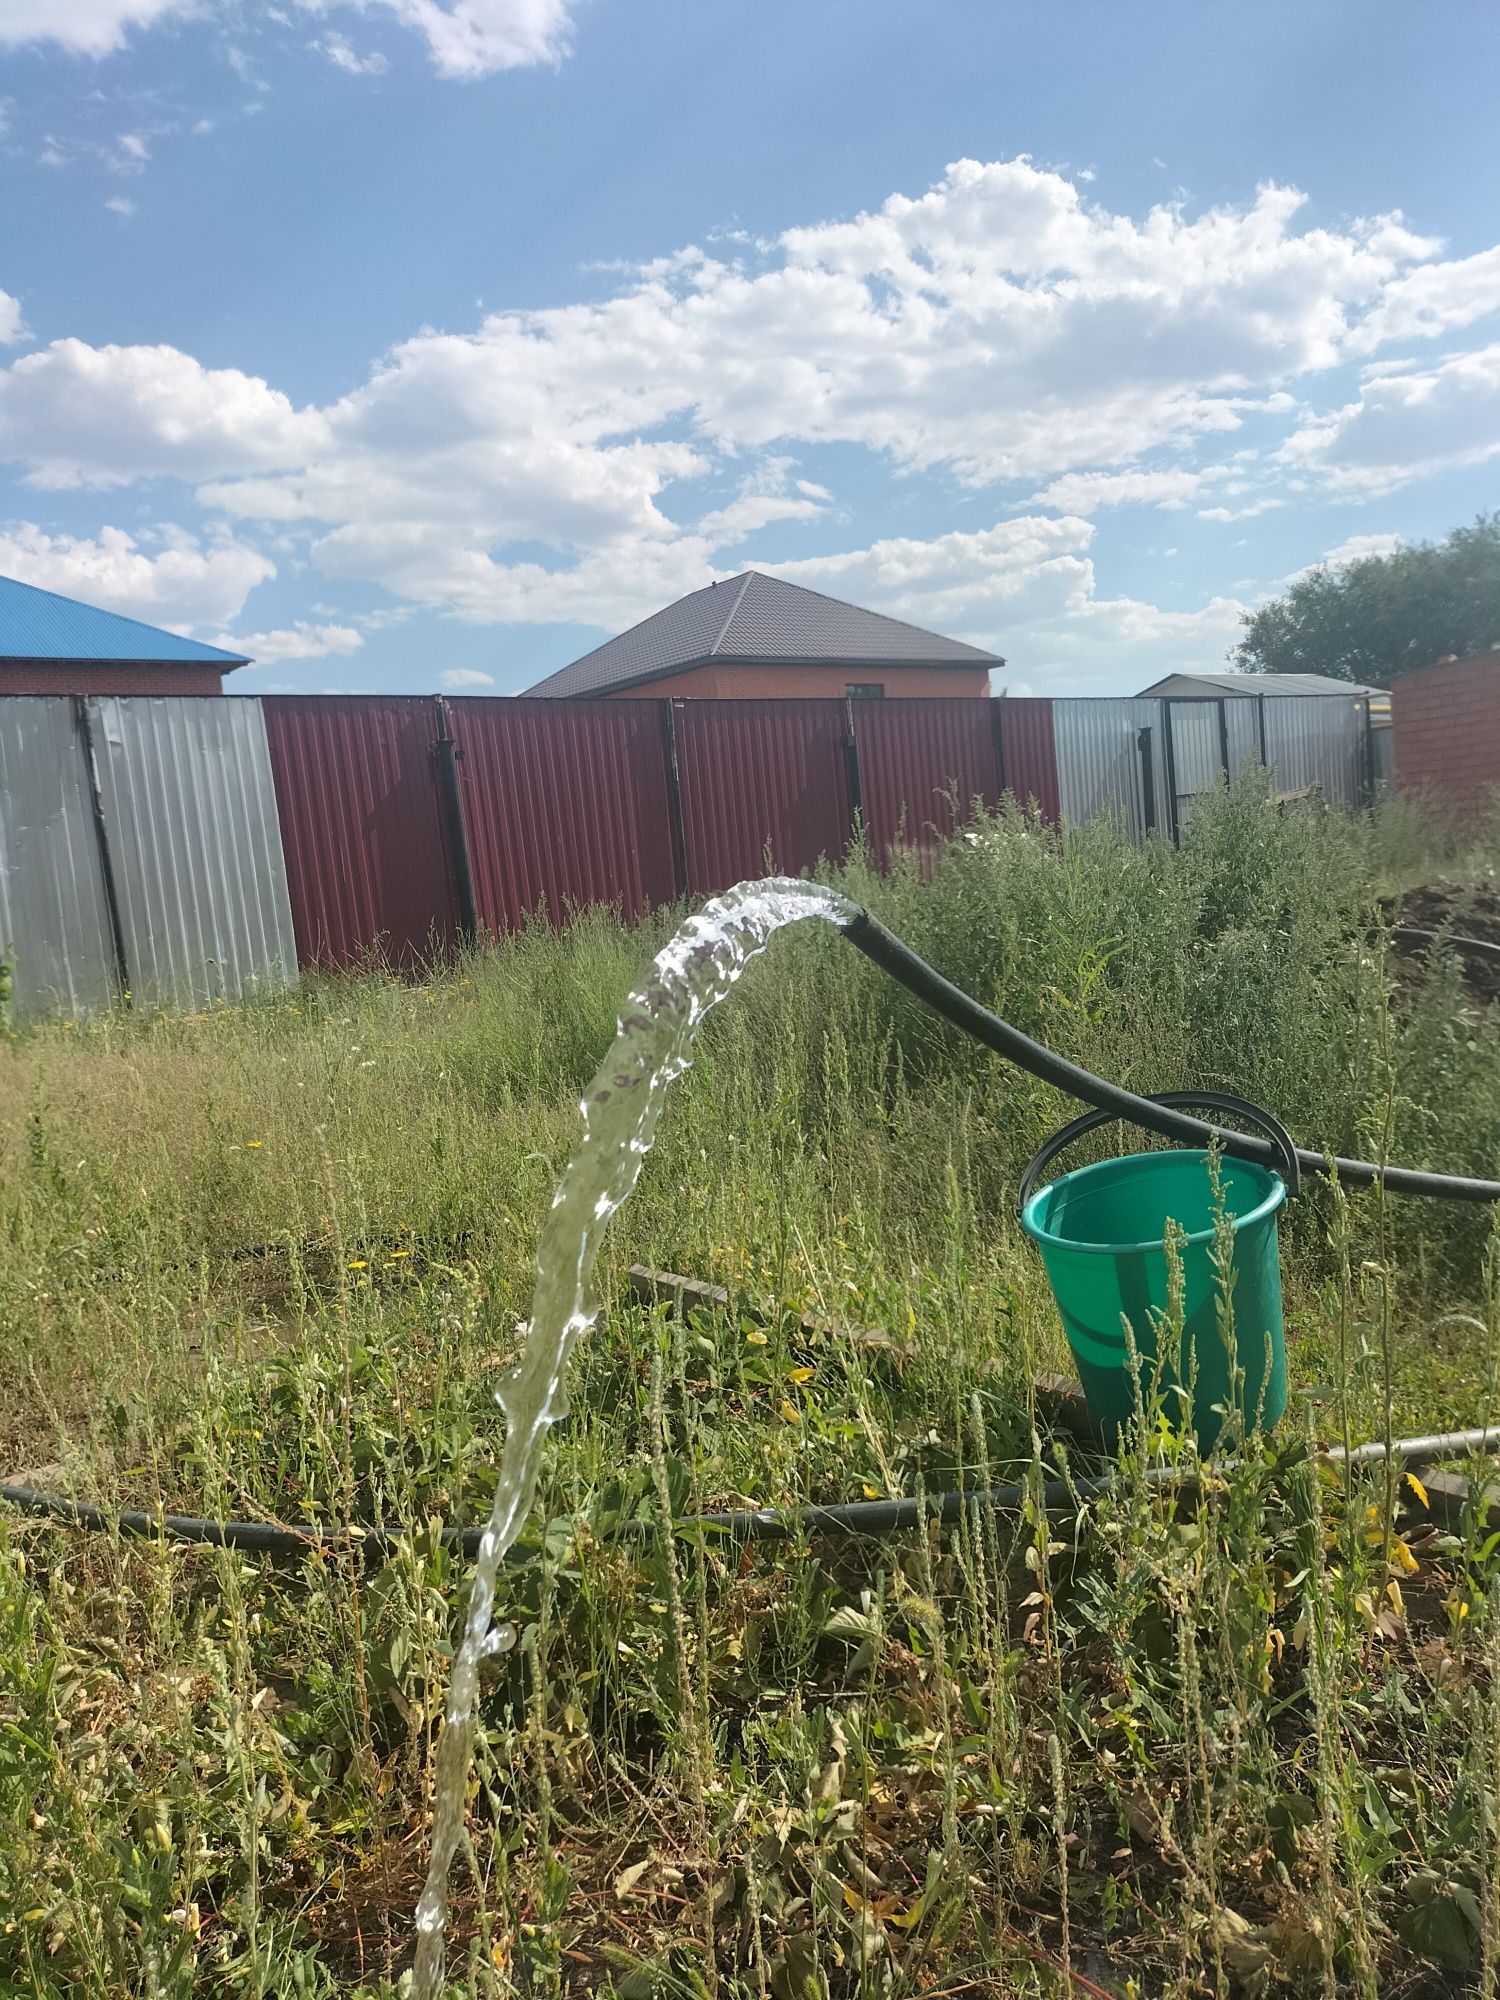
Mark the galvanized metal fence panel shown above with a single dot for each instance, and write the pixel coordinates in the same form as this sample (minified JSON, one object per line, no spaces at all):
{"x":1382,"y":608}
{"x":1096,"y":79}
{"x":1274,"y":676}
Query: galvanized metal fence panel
{"x":1242,"y":726}
{"x":1317,"y":740}
{"x":566,"y":803}
{"x":1100,"y":765}
{"x":194,"y":847}
{"x":54,"y":916}
{"x":1028,"y":754}
{"x":760,"y":779}
{"x":922,"y":765}
{"x":367,"y":859}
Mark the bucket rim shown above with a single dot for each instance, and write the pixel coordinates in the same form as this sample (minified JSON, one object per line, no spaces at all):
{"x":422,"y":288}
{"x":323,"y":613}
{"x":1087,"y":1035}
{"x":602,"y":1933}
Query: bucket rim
{"x":1274,"y":1197}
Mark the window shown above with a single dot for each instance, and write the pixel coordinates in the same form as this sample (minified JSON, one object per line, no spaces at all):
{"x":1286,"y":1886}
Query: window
{"x":864,"y":690}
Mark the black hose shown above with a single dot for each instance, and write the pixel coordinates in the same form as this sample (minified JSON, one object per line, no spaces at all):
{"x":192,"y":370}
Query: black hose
{"x":1483,"y":949}
{"x":745,"y":1524}
{"x":918,"y":977}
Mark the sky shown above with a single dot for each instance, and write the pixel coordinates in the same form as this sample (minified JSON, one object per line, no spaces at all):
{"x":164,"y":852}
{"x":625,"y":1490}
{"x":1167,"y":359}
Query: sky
{"x":409,"y":344}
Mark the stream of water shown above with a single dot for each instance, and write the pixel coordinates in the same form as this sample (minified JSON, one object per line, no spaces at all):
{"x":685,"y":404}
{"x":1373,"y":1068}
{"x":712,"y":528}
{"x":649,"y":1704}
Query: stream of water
{"x":620,"y":1111}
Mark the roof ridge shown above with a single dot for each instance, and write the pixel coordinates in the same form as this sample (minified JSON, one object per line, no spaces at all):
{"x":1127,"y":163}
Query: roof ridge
{"x":848,"y":604}
{"x":744,"y":583}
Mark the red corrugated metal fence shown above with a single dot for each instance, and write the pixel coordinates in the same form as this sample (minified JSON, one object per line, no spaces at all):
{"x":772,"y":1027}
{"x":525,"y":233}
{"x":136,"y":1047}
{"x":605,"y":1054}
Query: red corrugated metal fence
{"x":1028,"y":755}
{"x":916,"y":760}
{"x":759,"y":778}
{"x":565,"y":804}
{"x":357,"y":795}
{"x":626,"y":803}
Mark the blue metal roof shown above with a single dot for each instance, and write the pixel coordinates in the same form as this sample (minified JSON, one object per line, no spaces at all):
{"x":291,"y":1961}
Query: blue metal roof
{"x":40,"y":625}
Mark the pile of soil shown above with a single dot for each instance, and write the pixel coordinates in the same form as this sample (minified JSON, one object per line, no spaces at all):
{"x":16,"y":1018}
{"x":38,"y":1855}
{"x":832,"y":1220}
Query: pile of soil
{"x":1455,"y":912}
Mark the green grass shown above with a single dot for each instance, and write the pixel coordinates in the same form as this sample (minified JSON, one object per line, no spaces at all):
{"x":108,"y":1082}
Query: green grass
{"x":1246,"y":1744}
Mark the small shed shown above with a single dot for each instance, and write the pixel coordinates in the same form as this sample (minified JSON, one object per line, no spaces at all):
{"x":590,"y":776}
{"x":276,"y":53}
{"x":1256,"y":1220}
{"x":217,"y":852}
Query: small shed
{"x":1187,"y":687}
{"x":55,"y":645}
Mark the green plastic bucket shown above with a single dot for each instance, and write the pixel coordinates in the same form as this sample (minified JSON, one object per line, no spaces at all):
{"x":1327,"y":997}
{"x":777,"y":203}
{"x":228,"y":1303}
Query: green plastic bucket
{"x":1102,"y":1233}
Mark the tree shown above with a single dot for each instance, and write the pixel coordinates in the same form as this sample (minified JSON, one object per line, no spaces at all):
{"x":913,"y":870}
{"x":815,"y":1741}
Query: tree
{"x":1372,"y":618}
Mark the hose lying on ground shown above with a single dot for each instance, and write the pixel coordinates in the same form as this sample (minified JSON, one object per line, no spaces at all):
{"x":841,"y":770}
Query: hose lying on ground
{"x":873,"y":1516}
{"x":744,"y":1524}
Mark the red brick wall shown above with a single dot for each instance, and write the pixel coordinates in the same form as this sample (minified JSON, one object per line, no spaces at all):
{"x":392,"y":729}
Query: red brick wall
{"x":819,"y":683}
{"x":58,"y":677}
{"x":1447,"y":727}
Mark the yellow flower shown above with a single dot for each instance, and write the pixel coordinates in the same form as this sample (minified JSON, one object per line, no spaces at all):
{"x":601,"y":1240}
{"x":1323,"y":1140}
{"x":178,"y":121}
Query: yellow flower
{"x":800,"y":1375}
{"x":787,"y":1414}
{"x":399,"y":1253}
{"x":1417,"y":1487}
{"x":755,"y":1338}
{"x":871,"y":1492}
{"x":254,"y":1145}
{"x":357,"y":1264}
{"x":1404,"y":1558}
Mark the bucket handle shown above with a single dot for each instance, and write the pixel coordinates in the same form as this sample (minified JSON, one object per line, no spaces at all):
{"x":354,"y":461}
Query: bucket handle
{"x":1177,"y":1100}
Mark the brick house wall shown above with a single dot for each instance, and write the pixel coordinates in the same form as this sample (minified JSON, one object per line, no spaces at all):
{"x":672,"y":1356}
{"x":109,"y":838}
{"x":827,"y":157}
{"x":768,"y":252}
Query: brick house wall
{"x":1446,"y":720}
{"x":107,"y":677}
{"x":823,"y":682}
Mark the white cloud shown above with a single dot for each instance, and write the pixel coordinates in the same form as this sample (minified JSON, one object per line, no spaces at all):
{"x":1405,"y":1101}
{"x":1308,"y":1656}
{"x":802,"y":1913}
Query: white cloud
{"x":299,"y":641}
{"x":1353,"y":549}
{"x":84,"y":27}
{"x":1358,"y":546}
{"x":1026,"y":589}
{"x":343,"y":55}
{"x":1433,"y":299}
{"x":12,"y":326}
{"x":173,"y":579}
{"x":767,"y":494}
{"x":120,"y":204}
{"x":77,"y":415}
{"x":1406,"y":423}
{"x":134,"y":148}
{"x":1086,"y":492}
{"x":1246,"y":513}
{"x":465,"y":677}
{"x":472,"y":38}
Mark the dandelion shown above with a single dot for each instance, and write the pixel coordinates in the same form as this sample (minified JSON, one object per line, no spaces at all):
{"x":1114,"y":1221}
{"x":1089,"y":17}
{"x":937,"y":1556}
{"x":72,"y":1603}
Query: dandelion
{"x":800,"y":1375}
{"x":357,"y":1264}
{"x":254,"y":1145}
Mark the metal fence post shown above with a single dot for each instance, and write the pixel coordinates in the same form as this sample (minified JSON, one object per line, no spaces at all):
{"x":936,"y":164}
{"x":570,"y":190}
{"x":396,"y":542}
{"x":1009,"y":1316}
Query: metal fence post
{"x":676,"y":824}
{"x":1148,"y":778}
{"x":997,"y":735}
{"x":101,"y":834}
{"x":1169,"y":774}
{"x":455,"y":827}
{"x":852,"y":789}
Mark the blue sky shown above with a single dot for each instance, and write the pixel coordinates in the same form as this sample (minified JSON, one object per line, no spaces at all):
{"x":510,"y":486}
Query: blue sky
{"x":427,"y":342}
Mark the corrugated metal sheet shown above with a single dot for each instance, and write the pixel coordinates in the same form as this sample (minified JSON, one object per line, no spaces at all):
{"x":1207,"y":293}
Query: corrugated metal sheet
{"x":565,"y":804}
{"x":1099,"y":762}
{"x":759,"y":776}
{"x":54,"y":920}
{"x":916,"y":760}
{"x":367,"y":864}
{"x":1317,"y":740}
{"x":1242,"y":721}
{"x":1195,"y":751}
{"x":1028,"y":754}
{"x":37,"y":624}
{"x":195,"y":849}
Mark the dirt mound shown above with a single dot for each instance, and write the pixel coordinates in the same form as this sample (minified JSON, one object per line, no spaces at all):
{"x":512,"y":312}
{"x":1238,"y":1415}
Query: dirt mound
{"x":1456,"y":912}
